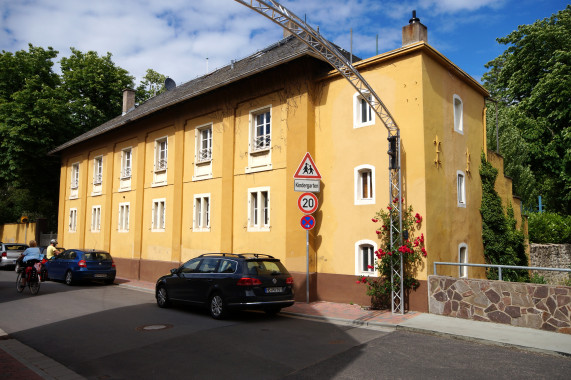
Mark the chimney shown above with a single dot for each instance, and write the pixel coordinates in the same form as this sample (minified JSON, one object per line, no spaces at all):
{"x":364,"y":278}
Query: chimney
{"x":128,"y":100}
{"x":414,"y":31}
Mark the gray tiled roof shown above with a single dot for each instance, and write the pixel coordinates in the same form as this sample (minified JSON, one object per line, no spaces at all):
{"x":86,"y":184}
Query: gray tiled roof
{"x":281,"y":52}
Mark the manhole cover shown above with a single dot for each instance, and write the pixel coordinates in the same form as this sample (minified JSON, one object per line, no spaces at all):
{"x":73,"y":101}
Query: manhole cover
{"x":154,"y":327}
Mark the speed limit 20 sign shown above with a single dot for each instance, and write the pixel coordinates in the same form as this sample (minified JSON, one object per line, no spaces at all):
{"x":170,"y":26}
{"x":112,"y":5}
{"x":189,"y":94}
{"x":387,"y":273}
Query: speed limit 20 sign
{"x":307,"y":203}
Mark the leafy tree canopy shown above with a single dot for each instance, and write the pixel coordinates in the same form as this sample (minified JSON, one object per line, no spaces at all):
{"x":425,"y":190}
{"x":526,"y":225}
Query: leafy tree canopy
{"x":40,"y":110}
{"x":531,"y":80}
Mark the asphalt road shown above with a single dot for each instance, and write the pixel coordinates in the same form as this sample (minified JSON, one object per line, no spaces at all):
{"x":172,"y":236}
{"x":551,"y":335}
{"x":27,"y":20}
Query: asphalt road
{"x":112,"y":332}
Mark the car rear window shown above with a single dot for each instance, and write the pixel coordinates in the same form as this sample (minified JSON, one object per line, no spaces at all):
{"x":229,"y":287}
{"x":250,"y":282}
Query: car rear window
{"x":15,"y":247}
{"x":265,"y":267}
{"x":97,"y":256}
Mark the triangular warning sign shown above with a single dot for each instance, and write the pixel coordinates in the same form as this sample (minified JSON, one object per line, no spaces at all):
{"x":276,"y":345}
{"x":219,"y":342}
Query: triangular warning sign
{"x":307,"y":169}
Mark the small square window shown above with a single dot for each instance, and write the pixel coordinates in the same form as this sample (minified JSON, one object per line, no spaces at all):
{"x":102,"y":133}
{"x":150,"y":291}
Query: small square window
{"x":95,"y":218}
{"x":75,"y":175}
{"x":98,"y":170}
{"x":124,"y":209}
{"x":161,"y":154}
{"x":204,"y":145}
{"x":259,"y":209}
{"x":126,"y":162}
{"x":73,"y":220}
{"x":158,"y":215}
{"x":262,"y":128}
{"x":201,"y":220}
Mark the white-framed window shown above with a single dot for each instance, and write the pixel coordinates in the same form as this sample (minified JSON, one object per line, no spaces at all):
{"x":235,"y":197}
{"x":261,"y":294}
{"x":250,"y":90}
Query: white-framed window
{"x":75,"y":175}
{"x":259,"y":209}
{"x":95,"y":218}
{"x":458,"y":114}
{"x":98,"y":170}
{"x":158,"y":214}
{"x":72,"y":220}
{"x":261,"y":130}
{"x":461,"y":188}
{"x":365,"y":258}
{"x":204,"y":144}
{"x":161,"y":154}
{"x":363,"y":114}
{"x":364,"y":178}
{"x":201,"y":219}
{"x":463,"y":258}
{"x":124,"y":209}
{"x":126,"y":163}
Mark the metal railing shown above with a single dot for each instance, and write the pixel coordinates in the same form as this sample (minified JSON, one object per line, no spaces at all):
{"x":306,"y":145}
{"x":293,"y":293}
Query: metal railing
{"x":498,"y":266}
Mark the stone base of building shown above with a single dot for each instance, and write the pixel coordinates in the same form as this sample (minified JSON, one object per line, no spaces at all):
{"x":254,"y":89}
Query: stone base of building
{"x":322,"y":286}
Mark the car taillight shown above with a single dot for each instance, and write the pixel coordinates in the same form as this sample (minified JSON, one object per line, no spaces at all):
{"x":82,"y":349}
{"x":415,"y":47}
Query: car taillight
{"x":247,"y":281}
{"x":82,"y":264}
{"x":112,"y":264}
{"x":4,"y":254}
{"x":289,"y":281}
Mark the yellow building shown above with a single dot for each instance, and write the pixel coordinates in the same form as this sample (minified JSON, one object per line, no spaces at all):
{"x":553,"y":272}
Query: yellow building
{"x":208,"y":167}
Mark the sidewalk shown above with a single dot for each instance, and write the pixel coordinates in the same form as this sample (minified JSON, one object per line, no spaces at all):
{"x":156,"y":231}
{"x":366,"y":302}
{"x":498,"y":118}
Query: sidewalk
{"x":22,"y":362}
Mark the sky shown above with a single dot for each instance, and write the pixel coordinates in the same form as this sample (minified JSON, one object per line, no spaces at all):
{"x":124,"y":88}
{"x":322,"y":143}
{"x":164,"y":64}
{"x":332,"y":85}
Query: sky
{"x":184,"y":39}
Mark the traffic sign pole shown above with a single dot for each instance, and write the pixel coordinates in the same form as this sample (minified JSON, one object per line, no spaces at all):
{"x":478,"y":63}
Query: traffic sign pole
{"x":307,"y":265}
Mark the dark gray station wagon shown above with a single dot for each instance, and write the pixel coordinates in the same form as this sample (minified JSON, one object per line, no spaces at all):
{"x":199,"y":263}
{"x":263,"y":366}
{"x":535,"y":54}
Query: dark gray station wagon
{"x":224,"y":282}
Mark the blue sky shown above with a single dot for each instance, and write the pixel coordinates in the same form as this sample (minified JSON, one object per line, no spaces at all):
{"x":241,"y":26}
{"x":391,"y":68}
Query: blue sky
{"x":185,"y":38}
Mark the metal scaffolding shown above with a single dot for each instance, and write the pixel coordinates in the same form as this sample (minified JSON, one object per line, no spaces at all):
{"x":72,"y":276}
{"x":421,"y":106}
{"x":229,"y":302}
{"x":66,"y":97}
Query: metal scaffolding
{"x":299,"y":28}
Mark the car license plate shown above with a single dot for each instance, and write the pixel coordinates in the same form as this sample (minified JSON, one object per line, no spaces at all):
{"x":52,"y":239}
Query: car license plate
{"x":100,"y":275}
{"x":275,"y":289}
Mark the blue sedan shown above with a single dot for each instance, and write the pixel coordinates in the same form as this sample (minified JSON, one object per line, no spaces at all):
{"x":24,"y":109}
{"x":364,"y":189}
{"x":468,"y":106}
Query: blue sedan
{"x":73,"y":265}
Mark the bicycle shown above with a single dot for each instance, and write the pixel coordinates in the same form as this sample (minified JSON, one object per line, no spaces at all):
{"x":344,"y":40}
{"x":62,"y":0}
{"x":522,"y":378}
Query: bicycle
{"x":32,"y":279}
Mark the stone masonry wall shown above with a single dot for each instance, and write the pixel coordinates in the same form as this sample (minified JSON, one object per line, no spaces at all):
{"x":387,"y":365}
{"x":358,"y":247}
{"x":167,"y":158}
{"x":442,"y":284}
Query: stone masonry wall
{"x":551,"y":256}
{"x":538,"y":306}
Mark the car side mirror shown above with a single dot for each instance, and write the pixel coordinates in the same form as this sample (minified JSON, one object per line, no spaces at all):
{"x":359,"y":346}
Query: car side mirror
{"x":174,"y":271}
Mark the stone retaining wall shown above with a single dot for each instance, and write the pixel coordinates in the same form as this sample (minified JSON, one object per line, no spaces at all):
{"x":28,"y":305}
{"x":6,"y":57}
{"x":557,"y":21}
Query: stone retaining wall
{"x":546,"y":307}
{"x":551,"y":256}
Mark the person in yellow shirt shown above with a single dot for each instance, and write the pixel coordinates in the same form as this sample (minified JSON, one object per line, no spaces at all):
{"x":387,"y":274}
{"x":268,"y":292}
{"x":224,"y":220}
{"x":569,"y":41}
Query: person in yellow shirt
{"x":52,"y":250}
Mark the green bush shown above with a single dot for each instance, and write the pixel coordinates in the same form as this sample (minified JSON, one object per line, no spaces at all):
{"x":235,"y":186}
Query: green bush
{"x":549,"y":227}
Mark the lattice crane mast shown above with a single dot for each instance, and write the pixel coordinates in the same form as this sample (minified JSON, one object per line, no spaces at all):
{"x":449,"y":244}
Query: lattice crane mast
{"x":300,"y":29}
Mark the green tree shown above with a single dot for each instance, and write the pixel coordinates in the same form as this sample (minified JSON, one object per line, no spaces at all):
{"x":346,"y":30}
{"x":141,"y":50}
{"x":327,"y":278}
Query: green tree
{"x":152,"y":84}
{"x":93,"y":87}
{"x":504,"y":244}
{"x":532,"y":82}
{"x":31,"y":111}
{"x":40,"y":110}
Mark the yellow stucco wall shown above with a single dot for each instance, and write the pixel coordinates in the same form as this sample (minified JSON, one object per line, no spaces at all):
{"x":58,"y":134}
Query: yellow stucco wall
{"x":17,"y":232}
{"x":311,"y":115}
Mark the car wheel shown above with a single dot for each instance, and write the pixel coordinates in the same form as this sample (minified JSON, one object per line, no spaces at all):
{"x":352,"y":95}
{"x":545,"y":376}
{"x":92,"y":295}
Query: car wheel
{"x":68,"y":278}
{"x":217,"y":306}
{"x":272,"y":311}
{"x":163,"y":297}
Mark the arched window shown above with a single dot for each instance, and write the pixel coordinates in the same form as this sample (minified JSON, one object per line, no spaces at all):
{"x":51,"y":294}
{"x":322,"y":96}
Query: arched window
{"x":363,"y":114}
{"x":461,"y":188}
{"x":458,"y":114}
{"x":364,"y":177}
{"x":365,"y":258}
{"x":463,"y":258}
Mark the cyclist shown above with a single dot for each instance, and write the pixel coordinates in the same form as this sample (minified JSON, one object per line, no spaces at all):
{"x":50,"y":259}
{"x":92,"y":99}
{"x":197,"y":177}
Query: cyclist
{"x":52,"y":250}
{"x":30,"y":256}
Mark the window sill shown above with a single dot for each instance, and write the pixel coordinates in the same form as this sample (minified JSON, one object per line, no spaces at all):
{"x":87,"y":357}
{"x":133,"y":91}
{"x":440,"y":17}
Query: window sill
{"x":361,"y":125}
{"x":158,"y":230}
{"x":158,"y":184}
{"x":124,"y":189}
{"x":200,"y":229}
{"x":255,"y":169}
{"x":359,"y":202}
{"x":461,"y":205}
{"x":258,"y":229}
